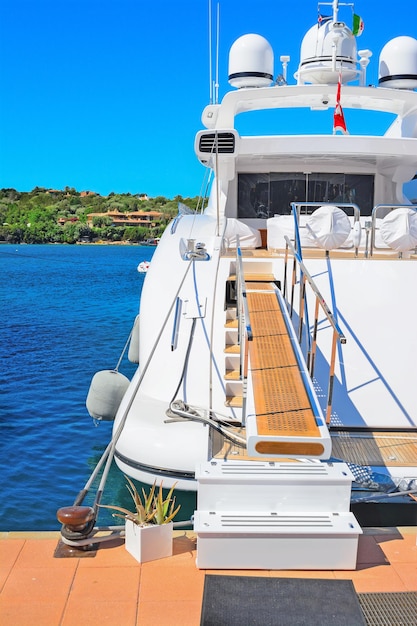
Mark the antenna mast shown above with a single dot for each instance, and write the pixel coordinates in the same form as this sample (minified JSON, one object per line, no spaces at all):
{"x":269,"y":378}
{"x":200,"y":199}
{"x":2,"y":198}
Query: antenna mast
{"x":216,"y":86}
{"x":335,"y":4}
{"x":210,"y":52}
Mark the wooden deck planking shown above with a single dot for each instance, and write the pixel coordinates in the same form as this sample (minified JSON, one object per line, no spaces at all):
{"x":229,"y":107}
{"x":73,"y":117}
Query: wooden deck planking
{"x":281,"y":402}
{"x":389,"y":449}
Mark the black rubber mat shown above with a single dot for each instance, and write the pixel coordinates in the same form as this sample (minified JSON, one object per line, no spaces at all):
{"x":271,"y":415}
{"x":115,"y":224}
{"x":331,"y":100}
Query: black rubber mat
{"x":265,"y":601}
{"x":389,"y":609}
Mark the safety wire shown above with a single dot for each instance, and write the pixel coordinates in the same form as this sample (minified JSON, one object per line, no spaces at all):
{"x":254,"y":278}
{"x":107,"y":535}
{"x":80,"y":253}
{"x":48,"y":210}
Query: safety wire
{"x":179,"y":410}
{"x":116,"y":369}
{"x":110,"y":450}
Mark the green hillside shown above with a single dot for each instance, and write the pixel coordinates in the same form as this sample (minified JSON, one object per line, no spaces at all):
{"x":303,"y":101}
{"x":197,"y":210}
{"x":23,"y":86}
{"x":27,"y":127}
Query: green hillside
{"x":61,"y":216}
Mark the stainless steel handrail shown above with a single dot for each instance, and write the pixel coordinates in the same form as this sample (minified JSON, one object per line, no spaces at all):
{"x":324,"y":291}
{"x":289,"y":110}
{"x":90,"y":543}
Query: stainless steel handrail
{"x":244,"y":326}
{"x":241,"y":291}
{"x":316,"y":290}
{"x":345,"y":206}
{"x":320,"y":303}
{"x":340,"y":205}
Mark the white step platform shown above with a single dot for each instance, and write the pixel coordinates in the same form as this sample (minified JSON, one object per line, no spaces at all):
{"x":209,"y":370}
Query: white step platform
{"x":260,"y":515}
{"x":292,"y":486}
{"x":326,"y":541}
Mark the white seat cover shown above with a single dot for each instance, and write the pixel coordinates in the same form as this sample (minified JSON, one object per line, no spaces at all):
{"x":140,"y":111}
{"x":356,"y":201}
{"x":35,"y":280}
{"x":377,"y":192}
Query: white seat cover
{"x":248,"y":237}
{"x":329,"y":227}
{"x":399,"y":229}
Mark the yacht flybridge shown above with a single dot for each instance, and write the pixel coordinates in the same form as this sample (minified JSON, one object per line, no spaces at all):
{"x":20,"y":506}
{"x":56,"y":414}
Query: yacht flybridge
{"x":277,"y":335}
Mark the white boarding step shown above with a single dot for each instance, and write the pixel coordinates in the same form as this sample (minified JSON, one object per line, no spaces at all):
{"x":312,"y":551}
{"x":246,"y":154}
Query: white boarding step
{"x":260,"y":486}
{"x":268,"y":540}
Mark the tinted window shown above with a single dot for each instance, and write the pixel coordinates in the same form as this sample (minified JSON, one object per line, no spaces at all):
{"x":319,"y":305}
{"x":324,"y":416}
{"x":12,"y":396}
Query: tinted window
{"x":266,"y":195}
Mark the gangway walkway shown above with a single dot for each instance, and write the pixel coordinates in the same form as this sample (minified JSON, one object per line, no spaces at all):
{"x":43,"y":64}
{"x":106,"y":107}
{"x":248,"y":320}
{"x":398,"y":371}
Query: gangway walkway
{"x":287,"y":420}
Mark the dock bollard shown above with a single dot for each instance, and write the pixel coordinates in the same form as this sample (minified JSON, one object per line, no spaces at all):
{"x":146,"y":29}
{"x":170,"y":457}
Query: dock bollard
{"x":77,"y":521}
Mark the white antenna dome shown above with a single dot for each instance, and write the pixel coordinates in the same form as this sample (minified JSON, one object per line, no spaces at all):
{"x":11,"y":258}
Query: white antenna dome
{"x":398,"y":63}
{"x":251,"y":62}
{"x":327,"y":50}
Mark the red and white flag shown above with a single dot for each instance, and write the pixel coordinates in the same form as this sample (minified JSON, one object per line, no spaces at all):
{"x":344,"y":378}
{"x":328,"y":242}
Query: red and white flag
{"x":338,"y":117}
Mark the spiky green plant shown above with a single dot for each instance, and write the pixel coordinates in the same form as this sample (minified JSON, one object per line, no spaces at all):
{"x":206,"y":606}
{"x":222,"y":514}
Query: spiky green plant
{"x":151,"y":508}
{"x":164,"y":510}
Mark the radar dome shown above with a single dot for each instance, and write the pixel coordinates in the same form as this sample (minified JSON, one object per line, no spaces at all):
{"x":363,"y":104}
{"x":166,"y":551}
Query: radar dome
{"x":398,"y":63}
{"x":317,"y":54}
{"x":251,"y":62}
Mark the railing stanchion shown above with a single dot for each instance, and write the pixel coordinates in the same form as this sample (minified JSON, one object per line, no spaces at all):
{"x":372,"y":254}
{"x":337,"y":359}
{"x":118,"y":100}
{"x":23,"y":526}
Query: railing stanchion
{"x":331,"y":379}
{"x":284,"y":291}
{"x":293,"y":283}
{"x":302,"y":307}
{"x":311,"y":357}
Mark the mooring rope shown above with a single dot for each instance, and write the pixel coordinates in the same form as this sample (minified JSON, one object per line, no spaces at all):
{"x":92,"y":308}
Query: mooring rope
{"x":116,"y":369}
{"x":110,"y":450}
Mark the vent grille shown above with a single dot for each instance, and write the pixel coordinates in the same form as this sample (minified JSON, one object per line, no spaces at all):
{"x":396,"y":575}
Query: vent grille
{"x":274,"y":520}
{"x":221,"y":143}
{"x":386,"y":609}
{"x":291,"y":470}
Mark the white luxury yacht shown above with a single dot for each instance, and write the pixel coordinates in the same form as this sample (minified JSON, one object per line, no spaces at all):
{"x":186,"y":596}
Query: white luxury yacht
{"x":276,"y":333}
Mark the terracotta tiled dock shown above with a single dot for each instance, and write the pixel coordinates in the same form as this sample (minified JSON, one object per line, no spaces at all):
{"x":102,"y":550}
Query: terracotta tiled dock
{"x":111,"y":588}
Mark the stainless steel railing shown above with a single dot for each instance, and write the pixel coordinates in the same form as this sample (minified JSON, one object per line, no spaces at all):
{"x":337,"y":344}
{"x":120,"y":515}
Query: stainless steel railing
{"x":244,"y":326}
{"x":320,"y":303}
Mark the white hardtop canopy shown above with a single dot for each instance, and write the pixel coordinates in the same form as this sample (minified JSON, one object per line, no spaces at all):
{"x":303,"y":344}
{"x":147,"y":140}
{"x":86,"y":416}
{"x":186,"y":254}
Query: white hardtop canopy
{"x":402,"y":103}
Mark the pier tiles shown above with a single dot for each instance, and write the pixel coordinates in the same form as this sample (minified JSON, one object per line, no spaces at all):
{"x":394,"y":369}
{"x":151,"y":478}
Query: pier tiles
{"x":172,"y":588}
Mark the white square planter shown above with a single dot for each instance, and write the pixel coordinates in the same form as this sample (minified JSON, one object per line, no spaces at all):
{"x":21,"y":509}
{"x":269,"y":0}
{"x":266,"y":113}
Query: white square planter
{"x":148,"y":543}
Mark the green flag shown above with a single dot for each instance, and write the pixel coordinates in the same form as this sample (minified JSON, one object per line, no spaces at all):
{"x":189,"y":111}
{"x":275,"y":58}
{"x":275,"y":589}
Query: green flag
{"x":358,"y":25}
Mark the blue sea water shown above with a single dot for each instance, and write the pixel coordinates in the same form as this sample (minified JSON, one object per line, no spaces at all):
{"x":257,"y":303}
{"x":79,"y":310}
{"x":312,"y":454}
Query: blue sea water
{"x":67,"y":312}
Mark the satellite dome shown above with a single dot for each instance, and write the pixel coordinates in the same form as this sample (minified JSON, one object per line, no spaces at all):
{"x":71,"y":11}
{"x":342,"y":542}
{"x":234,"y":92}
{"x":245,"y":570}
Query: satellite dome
{"x":251,"y":62}
{"x":316,"y":56}
{"x":398,"y":63}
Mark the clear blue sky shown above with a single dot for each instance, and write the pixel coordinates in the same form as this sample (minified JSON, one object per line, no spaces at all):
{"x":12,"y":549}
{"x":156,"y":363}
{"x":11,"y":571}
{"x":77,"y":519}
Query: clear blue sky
{"x":107,"y":95}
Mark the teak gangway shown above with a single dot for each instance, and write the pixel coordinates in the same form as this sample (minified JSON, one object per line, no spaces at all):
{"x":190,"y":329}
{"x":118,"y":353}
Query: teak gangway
{"x":287,"y":420}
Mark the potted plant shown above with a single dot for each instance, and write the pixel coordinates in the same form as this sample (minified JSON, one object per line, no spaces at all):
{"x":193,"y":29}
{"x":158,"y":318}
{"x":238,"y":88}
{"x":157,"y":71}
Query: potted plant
{"x":148,"y":529}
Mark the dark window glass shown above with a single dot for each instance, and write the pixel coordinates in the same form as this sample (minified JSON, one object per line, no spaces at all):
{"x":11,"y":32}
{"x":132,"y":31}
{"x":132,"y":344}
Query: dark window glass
{"x":266,"y":195}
